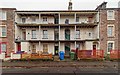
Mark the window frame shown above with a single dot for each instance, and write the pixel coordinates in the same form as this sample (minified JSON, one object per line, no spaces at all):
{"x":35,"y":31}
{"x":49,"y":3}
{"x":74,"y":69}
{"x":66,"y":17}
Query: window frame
{"x":108,"y":45}
{"x":1,"y":50}
{"x":45,"y":34}
{"x":1,"y":14}
{"x":108,"y":15}
{"x":45,"y":47}
{"x":1,"y":32}
{"x":4,"y":46}
{"x":34,"y":34}
{"x":77,"y":34}
{"x":24,"y":19}
{"x":113,"y":30}
{"x":44,"y":19}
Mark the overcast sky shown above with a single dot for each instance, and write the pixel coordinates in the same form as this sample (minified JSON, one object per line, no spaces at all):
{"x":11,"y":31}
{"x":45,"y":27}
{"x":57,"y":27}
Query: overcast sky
{"x":55,"y":4}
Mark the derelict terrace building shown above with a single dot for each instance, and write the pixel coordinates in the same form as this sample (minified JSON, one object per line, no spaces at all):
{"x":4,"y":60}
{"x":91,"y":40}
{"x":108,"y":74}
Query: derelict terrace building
{"x":53,"y":31}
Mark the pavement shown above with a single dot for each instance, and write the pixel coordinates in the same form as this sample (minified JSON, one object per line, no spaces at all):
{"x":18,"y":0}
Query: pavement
{"x":61,"y":67}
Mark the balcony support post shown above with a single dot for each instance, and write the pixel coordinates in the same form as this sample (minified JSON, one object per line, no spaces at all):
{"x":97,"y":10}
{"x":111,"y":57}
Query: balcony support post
{"x":39,"y":46}
{"x":59,"y":17}
{"x":75,"y":17}
{"x":75,"y":33}
{"x":59,"y":47}
{"x":59,"y":32}
{"x":39,"y":18}
{"x":39,"y":34}
{"x":75,"y":45}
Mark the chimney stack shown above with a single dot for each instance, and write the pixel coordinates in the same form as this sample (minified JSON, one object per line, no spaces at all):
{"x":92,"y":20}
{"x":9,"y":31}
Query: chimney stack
{"x":70,"y":5}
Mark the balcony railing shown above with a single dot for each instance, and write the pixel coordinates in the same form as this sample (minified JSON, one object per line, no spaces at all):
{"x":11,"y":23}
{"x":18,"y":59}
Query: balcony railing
{"x":54,"y":37}
{"x":27,"y":21}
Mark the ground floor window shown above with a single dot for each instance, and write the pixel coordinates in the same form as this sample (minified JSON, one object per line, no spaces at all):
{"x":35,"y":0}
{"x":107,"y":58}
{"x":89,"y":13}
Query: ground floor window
{"x":110,"y":45}
{"x":3,"y":47}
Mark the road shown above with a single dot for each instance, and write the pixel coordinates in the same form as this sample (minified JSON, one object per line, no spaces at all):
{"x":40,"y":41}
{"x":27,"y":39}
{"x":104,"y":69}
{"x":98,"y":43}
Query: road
{"x":61,"y":68}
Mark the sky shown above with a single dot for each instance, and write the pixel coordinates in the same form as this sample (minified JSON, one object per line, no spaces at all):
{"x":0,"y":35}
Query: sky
{"x":55,"y":4}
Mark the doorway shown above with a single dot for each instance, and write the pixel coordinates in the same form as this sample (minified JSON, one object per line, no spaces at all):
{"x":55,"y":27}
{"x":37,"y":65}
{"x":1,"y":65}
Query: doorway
{"x":33,"y":48}
{"x":94,"y":47}
{"x":56,"y":19}
{"x":67,"y":48}
{"x":56,"y":50}
{"x":18,"y":47}
{"x":67,"y":34}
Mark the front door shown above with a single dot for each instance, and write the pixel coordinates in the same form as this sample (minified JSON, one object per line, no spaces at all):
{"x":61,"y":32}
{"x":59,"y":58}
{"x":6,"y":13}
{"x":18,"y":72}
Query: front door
{"x":45,"y":48}
{"x":19,"y":47}
{"x":94,"y":47}
{"x":56,"y":50}
{"x":94,"y":50}
{"x":33,"y":48}
{"x":67,"y":49}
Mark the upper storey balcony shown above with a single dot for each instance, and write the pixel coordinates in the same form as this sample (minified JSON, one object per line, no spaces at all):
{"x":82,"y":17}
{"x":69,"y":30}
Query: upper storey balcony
{"x":27,"y":19}
{"x":63,"y":18}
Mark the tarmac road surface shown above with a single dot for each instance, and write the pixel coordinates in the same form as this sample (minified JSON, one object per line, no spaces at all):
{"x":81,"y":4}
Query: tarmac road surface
{"x":60,"y":68}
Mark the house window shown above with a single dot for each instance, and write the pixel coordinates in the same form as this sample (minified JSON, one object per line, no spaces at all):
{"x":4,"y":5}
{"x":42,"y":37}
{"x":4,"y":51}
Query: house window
{"x":45,"y":34}
{"x":3,"y":47}
{"x":110,"y":45}
{"x":110,"y":31}
{"x":110,"y":15}
{"x":45,"y":48}
{"x":3,"y":15}
{"x":77,"y":19}
{"x":23,"y":20}
{"x":33,"y":34}
{"x":77,"y":34}
{"x":44,"y":19}
{"x":4,"y":31}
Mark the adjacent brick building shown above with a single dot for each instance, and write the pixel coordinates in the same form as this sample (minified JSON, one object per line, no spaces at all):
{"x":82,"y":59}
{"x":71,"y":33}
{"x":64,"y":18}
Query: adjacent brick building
{"x":109,"y":28}
{"x":6,"y":30}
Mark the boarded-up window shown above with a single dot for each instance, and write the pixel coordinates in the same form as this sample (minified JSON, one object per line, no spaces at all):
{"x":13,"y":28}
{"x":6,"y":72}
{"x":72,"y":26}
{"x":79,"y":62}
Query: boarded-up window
{"x":45,"y":47}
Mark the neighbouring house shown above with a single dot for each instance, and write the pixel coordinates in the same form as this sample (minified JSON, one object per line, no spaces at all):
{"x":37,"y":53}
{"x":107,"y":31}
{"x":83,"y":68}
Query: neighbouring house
{"x":109,"y":28}
{"x":6,"y":31}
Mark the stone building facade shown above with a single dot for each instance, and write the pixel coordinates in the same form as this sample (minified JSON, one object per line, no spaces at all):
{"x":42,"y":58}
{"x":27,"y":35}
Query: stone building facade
{"x":109,"y":28}
{"x":7,"y":30}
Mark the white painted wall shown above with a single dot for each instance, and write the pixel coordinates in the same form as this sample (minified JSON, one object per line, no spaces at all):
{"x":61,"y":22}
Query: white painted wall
{"x":72,"y":46}
{"x":2,"y":56}
{"x":62,"y":47}
{"x":62,"y":34}
{"x":84,"y":33}
{"x":72,"y":34}
{"x":25,"y":46}
{"x":89,"y":45}
{"x":17,"y":32}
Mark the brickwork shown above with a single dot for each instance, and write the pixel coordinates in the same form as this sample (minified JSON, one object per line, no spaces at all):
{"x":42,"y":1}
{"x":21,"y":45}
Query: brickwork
{"x":103,"y":29}
{"x":10,"y":29}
